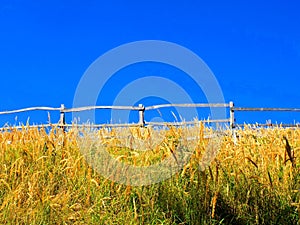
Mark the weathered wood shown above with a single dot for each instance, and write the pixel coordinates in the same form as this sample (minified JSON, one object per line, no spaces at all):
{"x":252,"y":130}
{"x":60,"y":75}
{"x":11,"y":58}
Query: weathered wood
{"x":141,"y":115}
{"x":231,"y":116}
{"x":137,"y":108}
{"x":70,"y":126}
{"x":28,"y":126}
{"x":86,"y":108}
{"x":185,"y":123}
{"x":196,"y":105}
{"x":62,"y":119}
{"x":29,"y":109}
{"x":106,"y":125}
{"x":268,"y":125}
{"x":267,"y":109}
{"x":142,"y":109}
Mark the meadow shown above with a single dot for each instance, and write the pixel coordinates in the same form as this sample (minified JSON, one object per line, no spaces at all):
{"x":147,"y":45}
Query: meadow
{"x":253,"y":179}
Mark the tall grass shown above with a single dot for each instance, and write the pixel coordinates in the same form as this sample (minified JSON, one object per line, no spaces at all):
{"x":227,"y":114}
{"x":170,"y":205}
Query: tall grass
{"x":45,"y":179}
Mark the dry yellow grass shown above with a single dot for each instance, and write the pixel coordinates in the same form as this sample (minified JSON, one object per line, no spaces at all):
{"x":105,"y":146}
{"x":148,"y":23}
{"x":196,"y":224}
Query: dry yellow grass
{"x":44,"y":178}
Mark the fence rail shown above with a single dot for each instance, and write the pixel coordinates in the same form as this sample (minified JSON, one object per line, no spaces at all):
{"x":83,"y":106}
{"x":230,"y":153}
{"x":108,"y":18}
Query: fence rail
{"x":30,"y":109}
{"x":267,"y":109}
{"x":141,"y":109}
{"x":86,"y":108}
{"x":196,"y":105}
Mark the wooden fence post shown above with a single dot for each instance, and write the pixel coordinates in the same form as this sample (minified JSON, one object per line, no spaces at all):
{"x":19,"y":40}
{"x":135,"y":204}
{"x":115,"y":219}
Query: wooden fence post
{"x":141,"y":115}
{"x":62,"y":120}
{"x":232,"y":119}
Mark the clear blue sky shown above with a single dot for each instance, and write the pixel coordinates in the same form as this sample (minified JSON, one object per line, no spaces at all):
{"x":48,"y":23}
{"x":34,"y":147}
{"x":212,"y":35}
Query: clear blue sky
{"x":252,"y":47}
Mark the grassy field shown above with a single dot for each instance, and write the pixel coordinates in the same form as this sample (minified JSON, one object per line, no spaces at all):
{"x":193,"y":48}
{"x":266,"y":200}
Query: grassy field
{"x":254,"y":179}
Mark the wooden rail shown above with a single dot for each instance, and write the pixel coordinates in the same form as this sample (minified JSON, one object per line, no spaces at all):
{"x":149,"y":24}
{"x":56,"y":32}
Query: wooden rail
{"x":199,"y":105}
{"x":261,"y":109}
{"x":141,"y":109}
{"x":86,"y":108}
{"x":267,"y":109}
{"x":30,"y":109}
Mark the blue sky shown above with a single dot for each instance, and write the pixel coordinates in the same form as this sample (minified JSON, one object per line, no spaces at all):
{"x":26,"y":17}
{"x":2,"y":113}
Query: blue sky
{"x":252,"y":47}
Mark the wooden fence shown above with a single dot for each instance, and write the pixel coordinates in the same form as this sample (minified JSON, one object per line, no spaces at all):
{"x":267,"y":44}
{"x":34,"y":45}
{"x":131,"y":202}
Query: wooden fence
{"x":141,"y":109}
{"x":263,"y":109}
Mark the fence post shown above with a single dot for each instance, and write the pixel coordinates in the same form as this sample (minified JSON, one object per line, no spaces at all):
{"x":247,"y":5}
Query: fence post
{"x":62,"y":119}
{"x":232,"y":119}
{"x":141,"y":115}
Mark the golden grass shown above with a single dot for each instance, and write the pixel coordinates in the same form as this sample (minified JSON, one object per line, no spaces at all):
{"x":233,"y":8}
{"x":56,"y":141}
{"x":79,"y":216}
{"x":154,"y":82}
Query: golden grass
{"x":45,"y":179}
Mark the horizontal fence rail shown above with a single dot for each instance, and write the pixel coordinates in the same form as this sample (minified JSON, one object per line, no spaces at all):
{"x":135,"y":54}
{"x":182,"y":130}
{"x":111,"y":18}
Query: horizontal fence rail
{"x":86,"y":108}
{"x":30,"y":109}
{"x":267,"y":109}
{"x":257,"y":125}
{"x":199,"y":105}
{"x":141,"y":109}
{"x":186,"y":122}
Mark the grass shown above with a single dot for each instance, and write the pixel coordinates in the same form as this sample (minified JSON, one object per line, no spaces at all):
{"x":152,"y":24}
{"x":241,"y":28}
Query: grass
{"x":254,"y":179}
